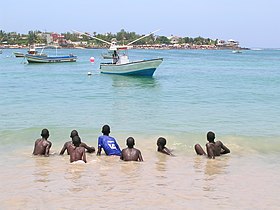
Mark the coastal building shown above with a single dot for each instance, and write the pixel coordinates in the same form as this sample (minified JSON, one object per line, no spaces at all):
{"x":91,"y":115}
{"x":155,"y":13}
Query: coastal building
{"x":46,"y":36}
{"x":173,"y":39}
{"x":58,"y":38}
{"x":230,"y":44}
{"x":233,"y":43}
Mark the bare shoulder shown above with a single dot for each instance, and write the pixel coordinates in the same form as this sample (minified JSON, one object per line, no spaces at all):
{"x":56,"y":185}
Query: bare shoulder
{"x":38,"y":140}
{"x":66,"y":144}
{"x":47,"y":143}
{"x":218,"y":143}
{"x":138,"y":150}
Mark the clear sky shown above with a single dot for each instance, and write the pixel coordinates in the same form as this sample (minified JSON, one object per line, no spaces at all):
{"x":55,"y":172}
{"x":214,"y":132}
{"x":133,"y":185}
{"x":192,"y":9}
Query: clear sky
{"x":254,"y":23}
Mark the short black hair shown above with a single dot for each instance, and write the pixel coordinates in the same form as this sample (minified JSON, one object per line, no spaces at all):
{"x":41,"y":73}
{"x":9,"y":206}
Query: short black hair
{"x":161,"y":141}
{"x":210,"y":136}
{"x":130,"y":142}
{"x":45,"y":133}
{"x":74,"y":133}
{"x":106,"y":129}
{"x":76,"y":141}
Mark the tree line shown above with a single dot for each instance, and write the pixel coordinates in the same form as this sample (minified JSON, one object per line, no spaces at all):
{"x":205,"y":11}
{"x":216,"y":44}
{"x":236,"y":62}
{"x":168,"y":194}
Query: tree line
{"x":123,"y":37}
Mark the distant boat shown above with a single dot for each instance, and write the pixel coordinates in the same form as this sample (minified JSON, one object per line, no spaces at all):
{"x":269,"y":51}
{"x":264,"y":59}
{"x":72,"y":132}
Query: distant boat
{"x":19,"y":55}
{"x":32,"y":51}
{"x":236,"y":51}
{"x":107,"y":55}
{"x":121,"y":64}
{"x":50,"y":59}
{"x":43,"y":58}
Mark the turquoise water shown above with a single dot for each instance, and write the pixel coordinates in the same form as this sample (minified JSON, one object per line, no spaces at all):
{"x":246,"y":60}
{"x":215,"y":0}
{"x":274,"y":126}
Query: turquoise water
{"x":192,"y":92}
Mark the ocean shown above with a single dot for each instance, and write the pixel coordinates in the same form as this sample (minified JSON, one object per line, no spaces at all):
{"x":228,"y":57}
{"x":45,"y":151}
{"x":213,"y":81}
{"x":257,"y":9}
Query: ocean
{"x":237,"y":96}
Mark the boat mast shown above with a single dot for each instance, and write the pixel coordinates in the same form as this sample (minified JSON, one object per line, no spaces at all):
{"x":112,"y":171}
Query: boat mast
{"x":143,"y":37}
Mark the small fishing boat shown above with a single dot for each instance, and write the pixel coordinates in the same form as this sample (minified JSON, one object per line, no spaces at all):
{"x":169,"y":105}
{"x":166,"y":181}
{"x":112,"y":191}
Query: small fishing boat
{"x":121,"y":64}
{"x":32,"y":51}
{"x":107,"y":55}
{"x":236,"y":51}
{"x":44,"y":58}
{"x":50,"y":59}
{"x":137,"y":68}
{"x":19,"y":54}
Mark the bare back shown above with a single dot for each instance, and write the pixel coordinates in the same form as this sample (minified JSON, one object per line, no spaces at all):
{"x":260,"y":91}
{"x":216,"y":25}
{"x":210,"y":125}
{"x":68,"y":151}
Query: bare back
{"x":165,"y":150}
{"x":131,"y":154}
{"x":42,"y":147}
{"x":216,"y":149}
{"x":76,"y":153}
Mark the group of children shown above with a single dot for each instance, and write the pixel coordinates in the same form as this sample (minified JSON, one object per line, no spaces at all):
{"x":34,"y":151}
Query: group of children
{"x":77,"y":149}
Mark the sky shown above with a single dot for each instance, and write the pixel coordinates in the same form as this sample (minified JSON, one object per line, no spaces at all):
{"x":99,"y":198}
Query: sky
{"x":254,"y":23}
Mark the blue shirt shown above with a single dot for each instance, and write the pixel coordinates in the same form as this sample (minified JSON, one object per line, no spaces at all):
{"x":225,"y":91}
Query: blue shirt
{"x":109,"y":145}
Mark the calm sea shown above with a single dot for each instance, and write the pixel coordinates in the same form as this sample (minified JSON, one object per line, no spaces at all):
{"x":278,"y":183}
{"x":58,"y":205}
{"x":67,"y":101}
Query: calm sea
{"x":193,"y":91}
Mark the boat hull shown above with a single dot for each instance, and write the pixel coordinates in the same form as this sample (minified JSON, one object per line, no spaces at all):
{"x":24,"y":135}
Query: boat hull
{"x":19,"y":55}
{"x":137,"y":68}
{"x":49,"y":59}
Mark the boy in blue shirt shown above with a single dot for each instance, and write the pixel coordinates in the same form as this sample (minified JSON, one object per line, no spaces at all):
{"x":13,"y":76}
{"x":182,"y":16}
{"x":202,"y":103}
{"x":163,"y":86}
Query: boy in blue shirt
{"x":108,"y":143}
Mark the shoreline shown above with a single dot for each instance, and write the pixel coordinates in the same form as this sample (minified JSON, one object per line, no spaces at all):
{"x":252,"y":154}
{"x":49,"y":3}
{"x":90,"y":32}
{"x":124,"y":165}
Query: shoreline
{"x":144,"y":47}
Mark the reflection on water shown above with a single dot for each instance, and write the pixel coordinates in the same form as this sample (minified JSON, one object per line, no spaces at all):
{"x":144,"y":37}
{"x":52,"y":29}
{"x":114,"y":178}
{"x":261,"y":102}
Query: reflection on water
{"x":198,"y":163}
{"x":161,"y":162}
{"x":214,"y":169}
{"x":130,"y":168}
{"x":210,"y":167}
{"x":42,"y":169}
{"x":161,"y":168}
{"x":216,"y":166}
{"x":133,"y":81}
{"x":74,"y":174}
{"x":209,"y":171}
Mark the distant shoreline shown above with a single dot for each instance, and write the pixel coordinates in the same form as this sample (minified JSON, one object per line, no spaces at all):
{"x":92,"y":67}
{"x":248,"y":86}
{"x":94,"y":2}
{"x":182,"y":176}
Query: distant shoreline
{"x":144,"y":47}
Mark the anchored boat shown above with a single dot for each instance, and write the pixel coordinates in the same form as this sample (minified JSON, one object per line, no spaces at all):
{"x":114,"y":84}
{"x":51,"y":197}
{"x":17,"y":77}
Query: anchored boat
{"x":139,"y":68}
{"x":43,"y":58}
{"x":121,"y":64}
{"x":50,"y":59}
{"x":32,"y":51}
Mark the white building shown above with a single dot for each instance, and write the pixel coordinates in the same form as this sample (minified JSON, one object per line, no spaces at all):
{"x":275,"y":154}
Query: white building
{"x":173,"y":39}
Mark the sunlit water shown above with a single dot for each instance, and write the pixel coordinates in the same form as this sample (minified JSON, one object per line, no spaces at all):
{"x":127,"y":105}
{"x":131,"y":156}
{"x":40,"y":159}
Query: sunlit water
{"x":235,"y":95}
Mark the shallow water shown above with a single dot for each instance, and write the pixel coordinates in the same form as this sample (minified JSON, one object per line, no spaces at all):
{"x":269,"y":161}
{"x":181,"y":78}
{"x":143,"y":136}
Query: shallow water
{"x":192,"y":92}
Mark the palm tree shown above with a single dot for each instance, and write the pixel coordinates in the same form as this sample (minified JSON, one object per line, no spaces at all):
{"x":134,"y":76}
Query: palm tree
{"x":2,"y":35}
{"x":32,"y":37}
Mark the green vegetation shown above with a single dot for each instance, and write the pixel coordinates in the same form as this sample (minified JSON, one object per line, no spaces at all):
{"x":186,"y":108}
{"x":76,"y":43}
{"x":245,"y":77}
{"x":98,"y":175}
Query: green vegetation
{"x":123,"y":37}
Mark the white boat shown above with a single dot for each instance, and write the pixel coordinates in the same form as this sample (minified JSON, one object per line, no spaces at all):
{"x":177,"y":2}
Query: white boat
{"x":32,"y":51}
{"x":121,"y":64}
{"x":107,"y":55}
{"x":139,"y":68}
{"x":19,"y":54}
{"x":236,"y":51}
